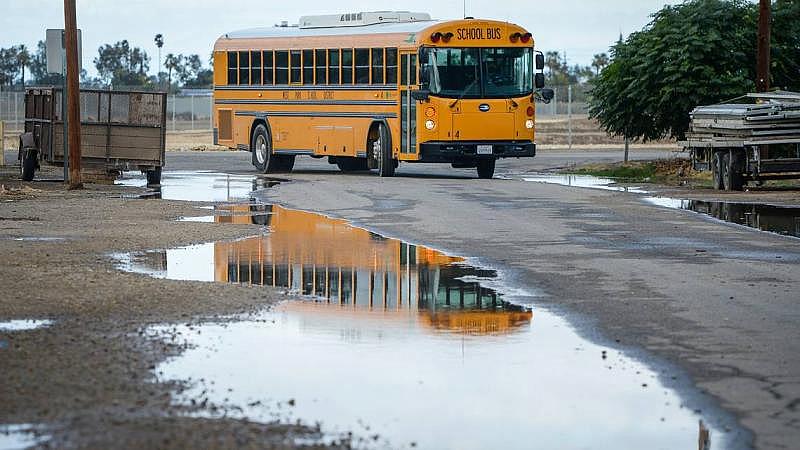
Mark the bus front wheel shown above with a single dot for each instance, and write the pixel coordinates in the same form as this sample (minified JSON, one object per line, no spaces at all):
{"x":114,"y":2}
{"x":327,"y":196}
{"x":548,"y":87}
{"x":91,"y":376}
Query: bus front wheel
{"x":261,"y":146}
{"x":486,"y":168}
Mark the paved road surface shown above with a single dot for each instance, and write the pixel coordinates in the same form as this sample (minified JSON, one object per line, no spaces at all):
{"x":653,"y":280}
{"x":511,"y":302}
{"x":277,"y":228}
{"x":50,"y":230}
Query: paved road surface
{"x":719,"y":300}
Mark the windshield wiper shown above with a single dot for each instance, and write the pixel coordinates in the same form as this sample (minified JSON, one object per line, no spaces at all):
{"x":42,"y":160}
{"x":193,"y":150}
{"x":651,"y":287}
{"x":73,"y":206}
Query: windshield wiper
{"x":461,"y":97}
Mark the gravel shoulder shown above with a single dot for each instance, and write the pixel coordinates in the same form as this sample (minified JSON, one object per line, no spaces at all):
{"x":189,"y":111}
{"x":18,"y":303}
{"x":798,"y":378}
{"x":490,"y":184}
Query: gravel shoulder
{"x":87,"y":380}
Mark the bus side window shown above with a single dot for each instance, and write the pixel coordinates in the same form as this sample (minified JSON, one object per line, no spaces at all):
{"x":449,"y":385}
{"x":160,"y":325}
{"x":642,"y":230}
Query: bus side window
{"x":308,"y":66}
{"x":268,"y":66}
{"x":244,"y":68}
{"x":362,"y":66}
{"x":282,"y":67}
{"x":255,"y":68}
{"x":333,"y":66}
{"x":321,"y":66}
{"x":233,"y":68}
{"x":404,"y":70}
{"x":347,"y":66}
{"x":413,"y":70}
{"x":377,"y":66}
{"x":391,"y":66}
{"x":295,"y":69}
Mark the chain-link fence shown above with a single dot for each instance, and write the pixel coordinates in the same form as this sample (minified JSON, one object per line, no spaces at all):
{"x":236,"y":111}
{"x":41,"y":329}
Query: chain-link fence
{"x":12,"y":111}
{"x":568,"y":100}
{"x":189,"y":110}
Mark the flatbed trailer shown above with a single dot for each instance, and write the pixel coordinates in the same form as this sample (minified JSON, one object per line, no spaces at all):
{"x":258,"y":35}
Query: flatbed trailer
{"x":120,"y":131}
{"x":743,"y":143}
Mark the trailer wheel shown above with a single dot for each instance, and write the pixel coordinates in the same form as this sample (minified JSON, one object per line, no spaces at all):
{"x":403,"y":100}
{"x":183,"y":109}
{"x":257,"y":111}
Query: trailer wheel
{"x":717,"y":169}
{"x":28,"y":165}
{"x":154,"y":177}
{"x":734,"y":170}
{"x":486,"y":168}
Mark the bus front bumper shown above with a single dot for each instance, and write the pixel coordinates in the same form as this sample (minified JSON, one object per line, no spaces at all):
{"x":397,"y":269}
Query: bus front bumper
{"x":467,"y":151}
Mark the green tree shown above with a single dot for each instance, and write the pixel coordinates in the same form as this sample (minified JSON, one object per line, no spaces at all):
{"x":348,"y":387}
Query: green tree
{"x":173,"y":64}
{"x":696,"y":53}
{"x":196,"y":75}
{"x":8,"y":65}
{"x":121,"y":64}
{"x":23,"y":59}
{"x":599,"y":62}
{"x":786,"y":45}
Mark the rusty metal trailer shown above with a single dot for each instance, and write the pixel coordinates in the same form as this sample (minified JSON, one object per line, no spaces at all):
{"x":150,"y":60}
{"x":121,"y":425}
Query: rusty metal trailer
{"x":753,"y":141}
{"x":120,"y":131}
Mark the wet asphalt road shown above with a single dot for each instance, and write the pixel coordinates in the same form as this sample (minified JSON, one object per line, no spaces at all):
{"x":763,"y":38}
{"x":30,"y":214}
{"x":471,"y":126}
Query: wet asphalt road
{"x":717,"y":301}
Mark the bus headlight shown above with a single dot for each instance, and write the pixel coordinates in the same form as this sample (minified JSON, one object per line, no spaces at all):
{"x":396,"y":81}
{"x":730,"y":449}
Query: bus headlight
{"x":529,"y":124}
{"x":429,"y":124}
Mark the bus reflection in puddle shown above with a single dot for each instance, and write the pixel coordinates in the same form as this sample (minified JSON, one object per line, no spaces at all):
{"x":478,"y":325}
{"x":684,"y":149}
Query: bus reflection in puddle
{"x":390,"y":331}
{"x":345,"y":267}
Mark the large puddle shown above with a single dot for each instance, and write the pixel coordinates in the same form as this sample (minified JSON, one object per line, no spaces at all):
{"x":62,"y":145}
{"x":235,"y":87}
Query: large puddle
{"x":199,"y":186}
{"x":406,"y":346}
{"x":774,"y":219}
{"x":770,"y":218}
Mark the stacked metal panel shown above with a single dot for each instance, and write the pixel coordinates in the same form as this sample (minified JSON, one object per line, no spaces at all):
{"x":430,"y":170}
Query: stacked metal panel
{"x":773,"y":118}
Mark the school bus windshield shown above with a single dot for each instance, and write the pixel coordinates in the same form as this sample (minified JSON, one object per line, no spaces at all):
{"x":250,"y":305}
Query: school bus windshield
{"x":479,"y":72}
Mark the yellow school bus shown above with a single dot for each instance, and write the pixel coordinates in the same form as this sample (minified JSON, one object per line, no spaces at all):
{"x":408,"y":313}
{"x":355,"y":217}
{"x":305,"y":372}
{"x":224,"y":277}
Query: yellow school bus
{"x":369,"y":90}
{"x":352,"y":270}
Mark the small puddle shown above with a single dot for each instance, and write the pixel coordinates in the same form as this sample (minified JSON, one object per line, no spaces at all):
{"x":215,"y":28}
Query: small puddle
{"x":37,"y":239}
{"x":584,"y":181}
{"x":774,"y":219}
{"x":24,"y":325}
{"x":770,"y":218}
{"x":200,"y":186}
{"x":13,"y":437}
{"x":414,"y":346}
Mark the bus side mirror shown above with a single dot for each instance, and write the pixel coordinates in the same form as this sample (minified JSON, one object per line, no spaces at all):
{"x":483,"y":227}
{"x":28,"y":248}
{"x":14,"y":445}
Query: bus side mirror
{"x":539,"y":61}
{"x":547,"y":95}
{"x":539,"y":80}
{"x":424,"y":74}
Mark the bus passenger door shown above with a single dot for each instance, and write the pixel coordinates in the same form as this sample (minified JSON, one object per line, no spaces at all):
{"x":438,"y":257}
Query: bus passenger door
{"x":408,"y":106}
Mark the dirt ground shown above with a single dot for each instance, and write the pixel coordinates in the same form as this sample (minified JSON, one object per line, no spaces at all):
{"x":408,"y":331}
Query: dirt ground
{"x":87,"y":380}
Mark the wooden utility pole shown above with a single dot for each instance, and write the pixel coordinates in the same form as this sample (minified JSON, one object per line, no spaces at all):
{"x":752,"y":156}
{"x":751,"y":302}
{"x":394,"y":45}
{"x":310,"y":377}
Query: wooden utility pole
{"x":763,"y":56}
{"x":72,"y":95}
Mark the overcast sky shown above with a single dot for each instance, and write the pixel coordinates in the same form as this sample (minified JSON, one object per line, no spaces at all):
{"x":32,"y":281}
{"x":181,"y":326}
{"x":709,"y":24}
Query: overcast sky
{"x":581,"y":28}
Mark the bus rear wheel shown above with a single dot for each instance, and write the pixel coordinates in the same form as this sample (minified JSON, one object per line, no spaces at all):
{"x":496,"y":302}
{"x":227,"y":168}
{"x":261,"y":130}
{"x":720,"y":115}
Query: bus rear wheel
{"x":261,"y":146}
{"x":486,"y":168}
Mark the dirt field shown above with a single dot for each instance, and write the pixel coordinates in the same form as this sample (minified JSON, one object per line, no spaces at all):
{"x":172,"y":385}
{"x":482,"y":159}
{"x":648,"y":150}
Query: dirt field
{"x":92,"y":368}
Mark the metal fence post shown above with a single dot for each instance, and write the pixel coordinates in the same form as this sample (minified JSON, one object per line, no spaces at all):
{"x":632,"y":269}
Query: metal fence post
{"x":191,"y":99}
{"x":569,"y":115}
{"x":16,"y":110}
{"x":2,"y":142}
{"x":174,"y":107}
